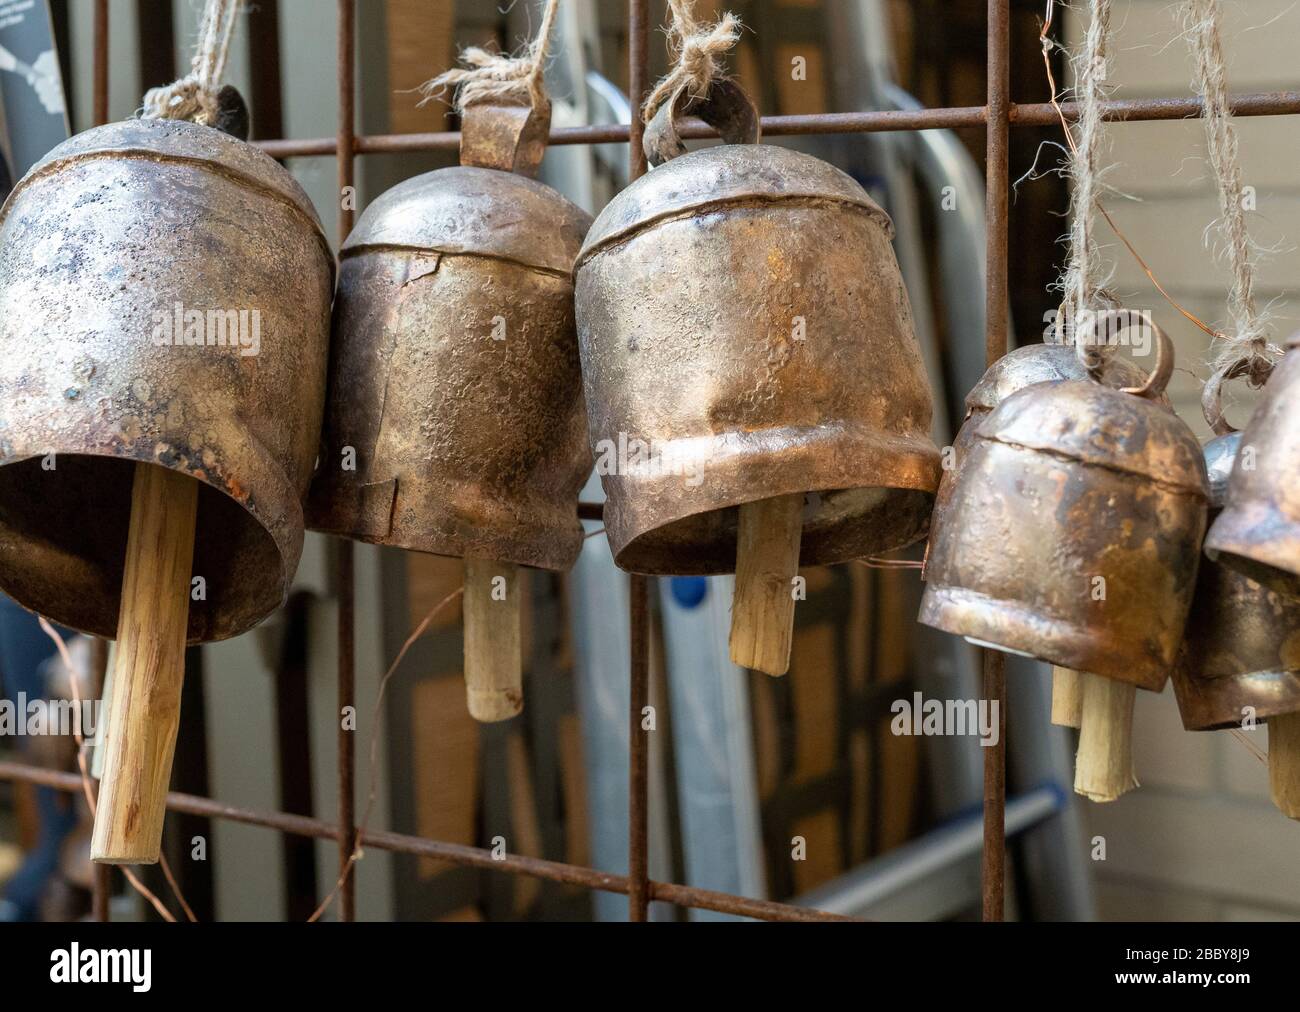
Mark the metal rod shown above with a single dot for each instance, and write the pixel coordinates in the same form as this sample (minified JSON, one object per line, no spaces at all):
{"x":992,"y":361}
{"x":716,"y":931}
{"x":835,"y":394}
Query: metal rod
{"x":453,"y":853}
{"x":100,"y":111}
{"x":638,"y":794}
{"x":996,"y":305}
{"x":344,"y":549}
{"x":1137,"y":110}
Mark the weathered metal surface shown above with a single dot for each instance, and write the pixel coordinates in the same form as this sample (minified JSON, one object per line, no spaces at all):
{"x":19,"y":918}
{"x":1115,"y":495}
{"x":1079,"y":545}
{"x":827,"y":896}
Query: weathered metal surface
{"x":1020,"y":368}
{"x":454,"y":419}
{"x":1241,"y":654}
{"x":103,"y":240}
{"x":743,"y":320}
{"x":1073,"y":534}
{"x":507,"y":137}
{"x":1258,"y":532}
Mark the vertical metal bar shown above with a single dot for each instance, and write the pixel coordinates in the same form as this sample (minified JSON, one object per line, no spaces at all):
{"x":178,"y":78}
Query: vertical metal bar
{"x":343,"y":547}
{"x":101,"y":63}
{"x":638,"y":858}
{"x":997,"y":182}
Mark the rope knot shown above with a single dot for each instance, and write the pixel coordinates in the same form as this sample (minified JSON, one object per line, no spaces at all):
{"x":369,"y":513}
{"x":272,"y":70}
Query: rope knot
{"x":696,"y":51}
{"x":186,"y":99}
{"x":194,"y":96}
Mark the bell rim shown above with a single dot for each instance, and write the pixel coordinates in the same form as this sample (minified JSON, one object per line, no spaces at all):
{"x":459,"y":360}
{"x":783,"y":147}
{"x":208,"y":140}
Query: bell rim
{"x":1234,"y":540}
{"x":912,"y":472}
{"x":287,"y":541}
{"x":1214,"y":703}
{"x":1056,"y":640}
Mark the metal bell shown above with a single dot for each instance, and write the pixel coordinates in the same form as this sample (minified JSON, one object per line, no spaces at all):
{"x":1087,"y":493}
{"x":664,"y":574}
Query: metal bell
{"x":164,"y":297}
{"x":454,"y":420}
{"x":1074,"y":531}
{"x":1023,"y":367}
{"x":746,"y":335}
{"x":1258,"y":532}
{"x":1242,"y":647}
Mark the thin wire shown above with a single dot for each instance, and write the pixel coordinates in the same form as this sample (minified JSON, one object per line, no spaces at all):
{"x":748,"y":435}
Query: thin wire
{"x":358,"y":853}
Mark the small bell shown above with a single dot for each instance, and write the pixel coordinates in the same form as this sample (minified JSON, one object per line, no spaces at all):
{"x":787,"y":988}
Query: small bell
{"x":164,"y":322}
{"x":454,"y":421}
{"x":756,"y":394}
{"x":1258,"y":532}
{"x":1073,"y":536}
{"x":1240,"y":661}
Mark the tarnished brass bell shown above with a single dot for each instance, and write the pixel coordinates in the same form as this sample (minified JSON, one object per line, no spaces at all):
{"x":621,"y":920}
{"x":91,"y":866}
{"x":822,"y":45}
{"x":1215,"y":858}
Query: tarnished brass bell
{"x":1241,"y":655}
{"x":1074,"y":531}
{"x":164,"y":297}
{"x":745,"y":336}
{"x":454,"y":420}
{"x":1258,"y":532}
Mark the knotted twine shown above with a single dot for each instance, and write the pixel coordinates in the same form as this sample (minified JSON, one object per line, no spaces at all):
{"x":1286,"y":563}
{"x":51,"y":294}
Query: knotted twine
{"x":194,"y":96}
{"x":1247,"y":351}
{"x":496,"y":78}
{"x":695,"y":50}
{"x":1084,"y":275}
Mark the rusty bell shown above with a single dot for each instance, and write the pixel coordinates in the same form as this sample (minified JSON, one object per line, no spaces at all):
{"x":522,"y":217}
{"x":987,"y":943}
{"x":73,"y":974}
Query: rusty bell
{"x":1242,"y":647}
{"x":1074,"y":530}
{"x":454,"y":421}
{"x":1258,"y":532}
{"x":164,"y":297}
{"x":745,"y":334}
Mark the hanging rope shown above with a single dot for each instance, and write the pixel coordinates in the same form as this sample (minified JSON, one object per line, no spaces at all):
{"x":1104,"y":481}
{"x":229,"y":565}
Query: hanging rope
{"x":194,"y":96}
{"x":695,"y":50}
{"x":1246,"y":351}
{"x":497,"y":78}
{"x":1084,"y":274}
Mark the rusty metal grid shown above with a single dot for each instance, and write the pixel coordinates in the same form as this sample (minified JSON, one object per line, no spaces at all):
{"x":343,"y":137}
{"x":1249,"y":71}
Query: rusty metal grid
{"x":997,"y":117}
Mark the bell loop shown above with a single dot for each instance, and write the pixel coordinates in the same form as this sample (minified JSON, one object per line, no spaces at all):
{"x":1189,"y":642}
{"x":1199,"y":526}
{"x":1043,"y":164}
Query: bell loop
{"x":511,"y":138}
{"x":1095,"y":363}
{"x":726,"y":107}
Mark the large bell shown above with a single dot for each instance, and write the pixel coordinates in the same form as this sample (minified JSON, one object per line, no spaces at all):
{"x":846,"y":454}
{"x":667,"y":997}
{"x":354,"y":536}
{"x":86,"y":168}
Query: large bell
{"x":745,"y":336}
{"x":164,"y":298}
{"x":1241,"y":655}
{"x":1258,"y":531}
{"x":455,"y":421}
{"x":1074,"y":531}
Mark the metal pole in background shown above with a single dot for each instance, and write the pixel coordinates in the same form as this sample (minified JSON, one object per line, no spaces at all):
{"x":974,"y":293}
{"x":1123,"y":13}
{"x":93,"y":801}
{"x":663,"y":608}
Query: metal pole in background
{"x":343,"y":547}
{"x":638,"y":859}
{"x":997,"y":181}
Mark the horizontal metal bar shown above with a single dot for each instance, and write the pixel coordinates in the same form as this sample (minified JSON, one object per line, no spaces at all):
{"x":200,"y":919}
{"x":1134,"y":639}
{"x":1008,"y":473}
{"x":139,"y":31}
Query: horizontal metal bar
{"x":1132,"y":110}
{"x":453,"y":853}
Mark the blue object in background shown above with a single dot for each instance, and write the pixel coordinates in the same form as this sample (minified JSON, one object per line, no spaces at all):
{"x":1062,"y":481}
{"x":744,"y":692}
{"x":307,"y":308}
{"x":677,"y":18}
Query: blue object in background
{"x":24,"y":647}
{"x":689,"y":591}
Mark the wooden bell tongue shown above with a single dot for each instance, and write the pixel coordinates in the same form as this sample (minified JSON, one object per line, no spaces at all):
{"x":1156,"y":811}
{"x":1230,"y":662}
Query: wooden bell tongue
{"x":149,"y":664}
{"x":1284,"y":763}
{"x":1103,"y":766}
{"x":1067,"y":697}
{"x":767,"y":561}
{"x":494,"y":683}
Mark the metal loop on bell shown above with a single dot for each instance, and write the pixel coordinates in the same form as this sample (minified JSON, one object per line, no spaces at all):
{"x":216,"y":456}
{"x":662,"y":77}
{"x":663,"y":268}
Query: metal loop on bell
{"x":726,"y":108}
{"x":1158,"y":379}
{"x":511,"y":138}
{"x":1212,"y":398}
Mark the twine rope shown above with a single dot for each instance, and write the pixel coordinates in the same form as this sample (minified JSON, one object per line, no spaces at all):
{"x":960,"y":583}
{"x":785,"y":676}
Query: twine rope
{"x":695,"y":49}
{"x":194,"y":96}
{"x":498,"y":79}
{"x":1084,"y":274}
{"x":1246,"y":351}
